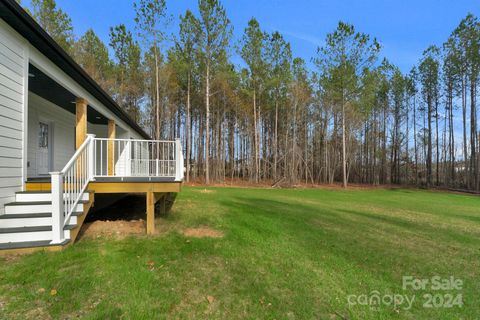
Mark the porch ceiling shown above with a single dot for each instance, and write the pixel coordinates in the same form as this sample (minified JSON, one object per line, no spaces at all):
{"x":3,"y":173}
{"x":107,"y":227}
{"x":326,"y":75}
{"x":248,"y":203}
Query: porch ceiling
{"x":47,"y":88}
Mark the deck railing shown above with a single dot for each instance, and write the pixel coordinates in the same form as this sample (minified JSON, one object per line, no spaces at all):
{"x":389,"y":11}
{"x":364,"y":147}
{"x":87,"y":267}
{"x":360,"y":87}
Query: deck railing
{"x":110,"y":158}
{"x":128,"y":158}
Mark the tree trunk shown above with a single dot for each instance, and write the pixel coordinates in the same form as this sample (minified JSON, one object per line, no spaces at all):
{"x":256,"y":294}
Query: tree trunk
{"x":407,"y":164}
{"x":437,"y":141}
{"x":415,"y":138}
{"x":452,"y":137}
{"x":464,"y":122}
{"x":207,"y":123}
{"x":157,"y":96}
{"x":293,"y":176}
{"x":473,"y":135}
{"x":344,"y":148}
{"x":275,"y":146}
{"x":429,"y":141}
{"x":255,"y":133}
{"x":187,"y":135}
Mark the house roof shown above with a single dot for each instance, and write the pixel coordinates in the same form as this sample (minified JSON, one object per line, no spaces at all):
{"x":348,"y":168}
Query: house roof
{"x":13,"y":14}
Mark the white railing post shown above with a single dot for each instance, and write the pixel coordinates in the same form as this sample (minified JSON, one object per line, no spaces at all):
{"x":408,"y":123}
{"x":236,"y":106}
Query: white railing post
{"x":128,"y":158}
{"x":57,"y":208}
{"x":91,"y":157}
{"x":178,"y":160}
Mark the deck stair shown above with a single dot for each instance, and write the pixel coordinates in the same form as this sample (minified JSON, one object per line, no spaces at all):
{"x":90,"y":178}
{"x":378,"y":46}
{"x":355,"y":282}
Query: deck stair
{"x":27,"y":222}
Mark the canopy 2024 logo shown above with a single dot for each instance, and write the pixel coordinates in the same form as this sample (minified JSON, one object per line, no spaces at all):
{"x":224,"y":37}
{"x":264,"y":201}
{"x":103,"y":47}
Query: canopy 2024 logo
{"x":437,"y":292}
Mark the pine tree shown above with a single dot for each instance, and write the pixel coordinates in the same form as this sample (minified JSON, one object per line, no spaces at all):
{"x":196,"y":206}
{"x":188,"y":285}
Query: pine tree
{"x":213,"y":38}
{"x":342,"y":60}
{"x":55,"y":21}
{"x":92,"y":54}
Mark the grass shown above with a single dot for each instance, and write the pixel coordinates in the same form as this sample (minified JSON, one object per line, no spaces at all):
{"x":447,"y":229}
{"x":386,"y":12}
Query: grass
{"x":286,"y":254}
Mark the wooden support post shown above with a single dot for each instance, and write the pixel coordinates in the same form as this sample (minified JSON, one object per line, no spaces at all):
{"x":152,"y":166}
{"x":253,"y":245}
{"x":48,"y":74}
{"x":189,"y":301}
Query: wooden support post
{"x":150,"y":212}
{"x":81,"y":121}
{"x":111,"y":148}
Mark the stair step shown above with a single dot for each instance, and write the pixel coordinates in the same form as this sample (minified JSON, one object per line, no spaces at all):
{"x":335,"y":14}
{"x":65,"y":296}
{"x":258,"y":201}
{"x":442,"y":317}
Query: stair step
{"x":24,"y":234}
{"x":26,"y":222}
{"x":27,"y":235}
{"x":34,"y":229}
{"x":32,"y":192}
{"x":35,"y":196}
{"x":31,"y":220}
{"x":36,"y":207}
{"x":43,"y":191}
{"x":35,"y":203}
{"x":29,"y":244}
{"x":25,"y":229}
{"x":32,"y":215}
{"x":25,"y":216}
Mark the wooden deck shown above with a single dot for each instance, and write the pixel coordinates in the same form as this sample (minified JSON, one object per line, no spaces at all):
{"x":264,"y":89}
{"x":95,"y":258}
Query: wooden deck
{"x":155,"y":192}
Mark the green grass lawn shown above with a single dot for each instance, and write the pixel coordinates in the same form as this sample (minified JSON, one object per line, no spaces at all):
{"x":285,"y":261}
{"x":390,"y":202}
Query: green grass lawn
{"x":285,"y":254}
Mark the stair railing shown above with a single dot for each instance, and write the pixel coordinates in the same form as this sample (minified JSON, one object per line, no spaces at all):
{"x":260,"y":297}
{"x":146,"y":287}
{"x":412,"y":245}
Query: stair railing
{"x":69,"y":185}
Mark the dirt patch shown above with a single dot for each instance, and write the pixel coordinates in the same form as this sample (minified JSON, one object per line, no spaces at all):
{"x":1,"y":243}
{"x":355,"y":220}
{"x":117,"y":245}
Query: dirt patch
{"x":202,"y":232}
{"x":118,"y":229}
{"x":37,"y":313}
{"x":11,"y":257}
{"x":3,"y":303}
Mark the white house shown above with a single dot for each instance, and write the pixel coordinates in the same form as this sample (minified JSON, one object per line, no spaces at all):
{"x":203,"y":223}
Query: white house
{"x":63,"y":139}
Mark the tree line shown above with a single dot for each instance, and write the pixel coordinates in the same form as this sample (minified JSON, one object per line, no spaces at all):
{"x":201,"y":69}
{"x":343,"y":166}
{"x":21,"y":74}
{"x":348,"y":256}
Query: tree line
{"x":353,"y":118}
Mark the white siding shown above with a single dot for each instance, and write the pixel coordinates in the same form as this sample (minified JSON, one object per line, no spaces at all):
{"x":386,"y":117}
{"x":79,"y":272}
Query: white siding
{"x":12,"y":86}
{"x":99,"y":130}
{"x":60,"y":121}
{"x":123,"y":134}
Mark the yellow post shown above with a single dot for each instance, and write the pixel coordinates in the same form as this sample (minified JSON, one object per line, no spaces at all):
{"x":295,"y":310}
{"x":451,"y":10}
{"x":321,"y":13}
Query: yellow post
{"x":111,"y":147}
{"x":150,"y":212}
{"x":80,"y":121}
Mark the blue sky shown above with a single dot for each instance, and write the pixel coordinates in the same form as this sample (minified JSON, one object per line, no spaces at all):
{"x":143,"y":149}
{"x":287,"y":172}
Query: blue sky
{"x":404,"y":27}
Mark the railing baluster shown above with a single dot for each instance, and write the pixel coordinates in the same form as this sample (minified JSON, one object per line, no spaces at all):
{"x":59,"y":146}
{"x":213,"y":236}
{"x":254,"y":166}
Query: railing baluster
{"x":101,"y":157}
{"x":68,"y":187}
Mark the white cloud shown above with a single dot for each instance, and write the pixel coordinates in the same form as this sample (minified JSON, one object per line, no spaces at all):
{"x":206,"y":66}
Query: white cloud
{"x":305,"y":37}
{"x":313,"y":40}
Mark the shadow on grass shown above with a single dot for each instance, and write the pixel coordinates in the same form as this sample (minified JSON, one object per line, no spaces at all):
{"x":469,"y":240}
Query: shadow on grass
{"x":420,"y":228}
{"x":373,"y":242}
